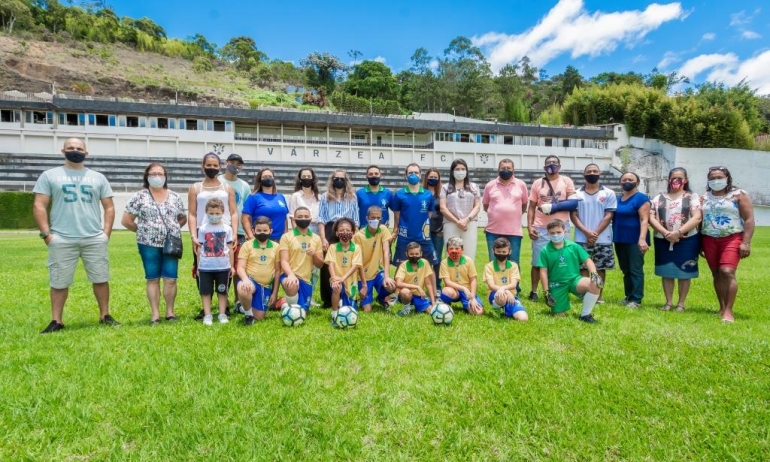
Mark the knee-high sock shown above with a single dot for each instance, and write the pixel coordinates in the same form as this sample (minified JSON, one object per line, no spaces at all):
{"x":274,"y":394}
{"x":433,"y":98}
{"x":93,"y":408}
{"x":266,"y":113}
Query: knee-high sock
{"x":589,"y":300}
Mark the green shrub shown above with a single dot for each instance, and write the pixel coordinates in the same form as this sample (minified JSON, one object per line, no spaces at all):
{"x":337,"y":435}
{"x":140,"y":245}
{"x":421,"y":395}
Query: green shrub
{"x":17,"y":210}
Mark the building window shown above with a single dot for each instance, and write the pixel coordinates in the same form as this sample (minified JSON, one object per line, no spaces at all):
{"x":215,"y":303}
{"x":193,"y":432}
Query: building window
{"x":228,"y":126}
{"x":566,"y":142}
{"x":163,"y":123}
{"x":9,"y":115}
{"x":172,"y":124}
{"x":507,"y":139}
{"x":192,"y":124}
{"x":102,"y":120}
{"x":464,"y":137}
{"x":549,"y":142}
{"x":132,"y":121}
{"x":37,"y":117}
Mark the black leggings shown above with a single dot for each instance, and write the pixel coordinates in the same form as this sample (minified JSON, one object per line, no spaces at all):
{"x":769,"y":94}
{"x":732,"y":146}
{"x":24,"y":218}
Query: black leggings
{"x":325,"y":276}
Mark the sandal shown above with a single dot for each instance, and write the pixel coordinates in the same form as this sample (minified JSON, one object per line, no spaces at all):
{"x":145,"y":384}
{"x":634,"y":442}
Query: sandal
{"x":679,"y":308}
{"x":171,"y":318}
{"x":154,"y":322}
{"x":666,"y":307}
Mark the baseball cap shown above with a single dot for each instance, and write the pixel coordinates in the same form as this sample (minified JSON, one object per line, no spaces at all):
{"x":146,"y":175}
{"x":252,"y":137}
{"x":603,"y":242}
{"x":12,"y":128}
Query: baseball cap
{"x":235,"y":157}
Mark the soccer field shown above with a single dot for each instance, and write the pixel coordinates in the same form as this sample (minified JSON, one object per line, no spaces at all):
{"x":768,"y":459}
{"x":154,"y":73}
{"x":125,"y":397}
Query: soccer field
{"x":640,"y":385}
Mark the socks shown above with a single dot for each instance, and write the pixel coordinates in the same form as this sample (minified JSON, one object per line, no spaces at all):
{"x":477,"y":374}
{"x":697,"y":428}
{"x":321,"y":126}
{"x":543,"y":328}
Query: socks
{"x":249,"y":313}
{"x":589,"y":300}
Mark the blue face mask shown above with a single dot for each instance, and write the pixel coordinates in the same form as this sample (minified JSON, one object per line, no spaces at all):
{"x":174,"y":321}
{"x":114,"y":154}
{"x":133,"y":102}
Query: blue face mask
{"x":413,"y":178}
{"x":556,"y":238}
{"x":214,"y":218}
{"x":432,"y":181}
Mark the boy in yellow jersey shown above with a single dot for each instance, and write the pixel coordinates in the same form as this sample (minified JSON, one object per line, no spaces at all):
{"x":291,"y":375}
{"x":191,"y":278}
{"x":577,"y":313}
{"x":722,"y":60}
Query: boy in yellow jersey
{"x":258,"y":270}
{"x":345,"y":269}
{"x":415,"y":282}
{"x":502,"y":276}
{"x":374,"y":242}
{"x":458,"y":273}
{"x":300,"y":250}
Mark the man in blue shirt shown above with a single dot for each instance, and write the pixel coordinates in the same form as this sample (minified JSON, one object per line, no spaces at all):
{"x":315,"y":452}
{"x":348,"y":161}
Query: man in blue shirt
{"x":412,"y":205}
{"x":374,"y":194}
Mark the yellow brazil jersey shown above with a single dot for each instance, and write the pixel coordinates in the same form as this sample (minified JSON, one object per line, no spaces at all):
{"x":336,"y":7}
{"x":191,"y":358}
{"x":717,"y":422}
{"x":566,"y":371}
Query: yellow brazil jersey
{"x":411,"y":275}
{"x":461,"y":273}
{"x":260,"y":261}
{"x":502,"y":276}
{"x":343,"y":260}
{"x":371,"y":249}
{"x":297,"y":244}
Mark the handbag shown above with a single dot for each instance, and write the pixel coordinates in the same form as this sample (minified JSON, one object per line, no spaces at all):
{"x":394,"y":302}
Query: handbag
{"x":172,"y":245}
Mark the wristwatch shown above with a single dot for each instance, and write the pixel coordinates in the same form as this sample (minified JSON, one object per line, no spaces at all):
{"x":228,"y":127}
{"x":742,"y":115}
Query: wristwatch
{"x":44,"y":235}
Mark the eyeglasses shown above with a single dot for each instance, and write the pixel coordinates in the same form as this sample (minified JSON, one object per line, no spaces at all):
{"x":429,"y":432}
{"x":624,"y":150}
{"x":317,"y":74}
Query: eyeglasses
{"x":156,"y":175}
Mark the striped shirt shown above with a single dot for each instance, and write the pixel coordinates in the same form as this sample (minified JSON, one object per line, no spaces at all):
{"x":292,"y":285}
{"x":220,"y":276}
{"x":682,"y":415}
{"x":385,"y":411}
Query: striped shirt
{"x":332,"y":211}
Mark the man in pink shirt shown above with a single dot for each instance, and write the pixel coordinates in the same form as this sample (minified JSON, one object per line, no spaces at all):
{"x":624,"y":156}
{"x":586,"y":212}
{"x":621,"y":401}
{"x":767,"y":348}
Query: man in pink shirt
{"x":550,"y":189}
{"x":505,"y":200}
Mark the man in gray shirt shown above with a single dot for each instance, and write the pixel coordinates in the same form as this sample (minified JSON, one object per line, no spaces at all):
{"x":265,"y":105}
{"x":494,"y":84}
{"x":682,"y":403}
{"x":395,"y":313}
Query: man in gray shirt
{"x":77,"y":195}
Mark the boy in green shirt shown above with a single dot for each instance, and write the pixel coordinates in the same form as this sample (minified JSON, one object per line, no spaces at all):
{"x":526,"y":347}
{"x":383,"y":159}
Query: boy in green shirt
{"x":559,"y":264}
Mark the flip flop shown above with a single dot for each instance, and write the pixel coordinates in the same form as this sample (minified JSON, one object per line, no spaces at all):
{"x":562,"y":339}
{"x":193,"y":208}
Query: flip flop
{"x":666,"y":307}
{"x":679,"y":308}
{"x":170,"y":318}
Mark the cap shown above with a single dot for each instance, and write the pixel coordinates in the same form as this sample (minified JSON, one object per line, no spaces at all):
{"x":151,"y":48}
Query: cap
{"x":235,"y":157}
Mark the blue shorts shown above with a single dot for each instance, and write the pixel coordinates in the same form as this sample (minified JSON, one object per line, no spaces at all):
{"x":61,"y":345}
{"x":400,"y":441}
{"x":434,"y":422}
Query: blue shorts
{"x":261,"y":296}
{"x":428,"y":252}
{"x":509,"y":309}
{"x":462,"y":298}
{"x":305,"y":293}
{"x":156,"y":265}
{"x":421,"y":304}
{"x":376,"y":283}
{"x":347,"y":300}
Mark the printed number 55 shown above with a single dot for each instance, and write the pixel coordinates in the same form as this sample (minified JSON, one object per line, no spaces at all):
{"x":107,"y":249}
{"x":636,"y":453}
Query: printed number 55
{"x":71,"y":195}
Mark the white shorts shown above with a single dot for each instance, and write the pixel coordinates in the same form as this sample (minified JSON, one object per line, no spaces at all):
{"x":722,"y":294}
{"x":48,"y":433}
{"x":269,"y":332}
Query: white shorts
{"x":63,"y":255}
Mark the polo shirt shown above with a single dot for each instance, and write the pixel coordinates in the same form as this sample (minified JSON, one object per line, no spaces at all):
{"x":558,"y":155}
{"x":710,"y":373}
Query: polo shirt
{"x":563,"y":189}
{"x":296,"y":244}
{"x":371,"y":249}
{"x":272,"y":206}
{"x":501,"y":275}
{"x":460,"y":273}
{"x":506,"y":204}
{"x":343,"y":260}
{"x":411,"y":275}
{"x":413,"y":224}
{"x":260,"y":261}
{"x":381,"y":197}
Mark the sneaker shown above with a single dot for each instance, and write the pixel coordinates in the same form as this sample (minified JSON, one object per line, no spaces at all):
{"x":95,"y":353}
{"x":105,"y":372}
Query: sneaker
{"x":238,"y":308}
{"x":248,"y":320}
{"x":208,"y":320}
{"x":279,"y":303}
{"x":109,"y":320}
{"x":633,"y":305}
{"x":334,"y":319}
{"x":534,"y":297}
{"x":600,"y":301}
{"x":223,"y":319}
{"x":200,"y":315}
{"x":53,"y":326}
{"x":624,"y":302}
{"x":406,"y":310}
{"x":314,"y":304}
{"x":589,"y":318}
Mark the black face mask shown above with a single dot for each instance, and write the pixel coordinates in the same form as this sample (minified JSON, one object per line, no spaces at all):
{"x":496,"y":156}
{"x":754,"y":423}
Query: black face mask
{"x":302,"y":224}
{"x":374,"y":180}
{"x":505,"y":174}
{"x":501,"y":257}
{"x":211,"y":172}
{"x":262,"y":237}
{"x":414,"y":260}
{"x":338,"y":183}
{"x":591,"y":179}
{"x":76,"y":157}
{"x":306,"y":182}
{"x":269,"y":182}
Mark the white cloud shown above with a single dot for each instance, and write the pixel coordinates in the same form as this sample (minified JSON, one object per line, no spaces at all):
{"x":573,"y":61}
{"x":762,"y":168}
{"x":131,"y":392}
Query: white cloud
{"x":379,"y":59}
{"x":669,"y":58}
{"x":750,"y":35}
{"x":742,"y":18}
{"x":697,"y":65}
{"x":569,"y":28}
{"x":709,"y":36}
{"x":433,"y":64}
{"x":728,"y":69}
{"x":639,"y":59}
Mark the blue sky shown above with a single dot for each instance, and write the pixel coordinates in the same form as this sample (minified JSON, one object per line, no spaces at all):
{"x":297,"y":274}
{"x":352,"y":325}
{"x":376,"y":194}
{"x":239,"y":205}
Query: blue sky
{"x":711,"y":40}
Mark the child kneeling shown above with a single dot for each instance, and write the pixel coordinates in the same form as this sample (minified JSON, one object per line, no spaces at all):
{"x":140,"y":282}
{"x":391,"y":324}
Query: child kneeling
{"x":344,"y":260}
{"x":415,"y":282}
{"x":258,"y":271}
{"x":502,"y":276}
{"x":560,"y":273}
{"x":458,"y":273}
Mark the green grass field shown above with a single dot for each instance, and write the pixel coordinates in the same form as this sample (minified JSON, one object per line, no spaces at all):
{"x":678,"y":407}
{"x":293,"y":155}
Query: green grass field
{"x":641,"y":385}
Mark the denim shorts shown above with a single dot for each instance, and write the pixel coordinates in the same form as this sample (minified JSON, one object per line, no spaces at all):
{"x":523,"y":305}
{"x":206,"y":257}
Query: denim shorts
{"x":157,"y":265}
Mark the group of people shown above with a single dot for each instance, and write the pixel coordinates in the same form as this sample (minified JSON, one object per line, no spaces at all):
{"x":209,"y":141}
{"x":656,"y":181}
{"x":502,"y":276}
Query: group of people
{"x":260,"y":241}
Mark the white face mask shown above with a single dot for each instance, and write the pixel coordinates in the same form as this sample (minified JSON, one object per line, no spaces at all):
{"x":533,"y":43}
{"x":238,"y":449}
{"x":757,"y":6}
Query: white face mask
{"x":460,"y":174}
{"x":156,"y":181}
{"x":718,"y":184}
{"x":556,"y":238}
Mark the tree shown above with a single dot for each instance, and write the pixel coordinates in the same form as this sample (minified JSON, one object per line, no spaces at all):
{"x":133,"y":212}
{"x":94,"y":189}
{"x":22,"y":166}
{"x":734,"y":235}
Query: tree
{"x":82,"y":88}
{"x":372,"y":79}
{"x":607,"y":78}
{"x":12,"y":12}
{"x":199,"y":41}
{"x":321,"y":70}
{"x":466,"y":78}
{"x":571,"y":80}
{"x":355,"y":55}
{"x":242,"y":52}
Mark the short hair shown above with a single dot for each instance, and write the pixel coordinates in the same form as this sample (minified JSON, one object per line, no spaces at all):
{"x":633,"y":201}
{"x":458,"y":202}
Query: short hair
{"x":413,"y":245}
{"x":215,"y":203}
{"x":555,"y":223}
{"x":638,"y":180}
{"x":373,"y":208}
{"x":553,"y":157}
{"x":146,"y":182}
{"x":455,"y":241}
{"x":262,"y":220}
{"x":506,"y":161}
{"x":371,"y":167}
{"x":344,"y":220}
{"x":501,"y":243}
{"x":413,"y":164}
{"x":300,"y":208}
{"x":592,"y":165}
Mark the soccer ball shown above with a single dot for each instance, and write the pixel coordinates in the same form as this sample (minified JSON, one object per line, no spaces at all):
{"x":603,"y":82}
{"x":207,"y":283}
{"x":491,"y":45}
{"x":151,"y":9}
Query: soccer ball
{"x":347,"y":316}
{"x":292,"y":315}
{"x":442,"y":314}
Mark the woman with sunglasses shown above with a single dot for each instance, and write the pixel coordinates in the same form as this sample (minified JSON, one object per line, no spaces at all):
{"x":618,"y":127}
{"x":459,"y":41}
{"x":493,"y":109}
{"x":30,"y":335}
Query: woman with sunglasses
{"x":728,"y":226}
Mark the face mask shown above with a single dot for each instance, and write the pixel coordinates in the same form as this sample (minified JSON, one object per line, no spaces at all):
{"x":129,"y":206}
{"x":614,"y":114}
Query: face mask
{"x":76,"y":157}
{"x":338,"y":183}
{"x":556,"y":238}
{"x":262,"y":237}
{"x":374,"y":224}
{"x":460,"y":174}
{"x":269,"y":182}
{"x":591,"y":179}
{"x":374,"y":180}
{"x":505,"y":174}
{"x":718,"y":184}
{"x":552,"y":169}
{"x":455,"y":254}
{"x":628,"y":187}
{"x":432,"y":181}
{"x":211,"y":172}
{"x":214,"y":218}
{"x":156,"y":181}
{"x":233,"y":169}
{"x":302,"y":224}
{"x":676,"y":184}
{"x":414,"y":260}
{"x":501,"y":257}
{"x":413,"y":178}
{"x":345,"y":236}
{"x":306,"y":182}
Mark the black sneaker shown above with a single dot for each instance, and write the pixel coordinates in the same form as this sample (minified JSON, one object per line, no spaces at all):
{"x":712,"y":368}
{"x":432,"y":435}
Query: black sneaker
{"x":248,"y":320}
{"x":200,"y":315}
{"x":534,"y":297}
{"x":109,"y":320}
{"x":52,"y":327}
{"x":589,"y":318}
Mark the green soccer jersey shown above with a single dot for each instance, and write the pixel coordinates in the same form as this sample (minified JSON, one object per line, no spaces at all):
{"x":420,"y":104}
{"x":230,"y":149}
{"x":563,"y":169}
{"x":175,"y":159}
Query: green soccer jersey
{"x":563,"y":264}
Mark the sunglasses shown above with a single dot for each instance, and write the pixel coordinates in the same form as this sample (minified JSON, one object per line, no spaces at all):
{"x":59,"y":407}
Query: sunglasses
{"x":720,"y":168}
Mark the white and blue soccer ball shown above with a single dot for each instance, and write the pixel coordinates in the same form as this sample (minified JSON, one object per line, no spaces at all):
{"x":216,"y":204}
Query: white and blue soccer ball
{"x":347,"y":316}
{"x":442,"y":314}
{"x":292,"y":315}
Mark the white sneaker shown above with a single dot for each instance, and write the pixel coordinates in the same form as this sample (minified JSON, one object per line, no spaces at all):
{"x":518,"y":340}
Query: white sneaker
{"x":208,"y":320}
{"x":223,"y":319}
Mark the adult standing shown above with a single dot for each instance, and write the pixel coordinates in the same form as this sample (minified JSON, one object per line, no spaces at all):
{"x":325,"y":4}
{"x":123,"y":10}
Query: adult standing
{"x":432,"y":183}
{"x":337,"y":202}
{"x":266,"y":202}
{"x":460,"y":204}
{"x":76,"y":230}
{"x":412,"y":207}
{"x":675,"y":216}
{"x":374,"y":194}
{"x":551,"y":189}
{"x":631,"y":237}
{"x":305,"y":195}
{"x":505,"y":200}
{"x":153,"y":213}
{"x":592,"y":220}
{"x":234,"y":166}
{"x":728,"y":226}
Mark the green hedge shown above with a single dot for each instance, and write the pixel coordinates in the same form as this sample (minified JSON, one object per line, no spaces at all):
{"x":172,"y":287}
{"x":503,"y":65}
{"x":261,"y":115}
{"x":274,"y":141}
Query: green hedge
{"x":17,"y":210}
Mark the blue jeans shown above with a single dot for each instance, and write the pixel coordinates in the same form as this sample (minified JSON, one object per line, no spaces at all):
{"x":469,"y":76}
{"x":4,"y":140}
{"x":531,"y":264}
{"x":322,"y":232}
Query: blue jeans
{"x":157,"y":265}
